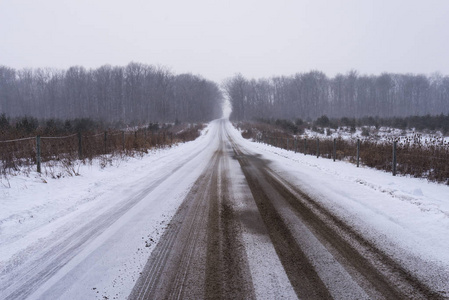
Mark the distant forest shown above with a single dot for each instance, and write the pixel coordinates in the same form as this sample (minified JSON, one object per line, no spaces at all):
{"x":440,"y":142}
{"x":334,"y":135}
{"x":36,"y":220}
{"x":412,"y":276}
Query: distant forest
{"x":136,"y":93}
{"x":139,"y":93}
{"x":311,"y":95}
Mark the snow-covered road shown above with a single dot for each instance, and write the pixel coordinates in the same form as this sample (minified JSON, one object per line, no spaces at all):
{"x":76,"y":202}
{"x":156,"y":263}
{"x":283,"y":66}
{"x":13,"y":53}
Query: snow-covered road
{"x":224,"y":216}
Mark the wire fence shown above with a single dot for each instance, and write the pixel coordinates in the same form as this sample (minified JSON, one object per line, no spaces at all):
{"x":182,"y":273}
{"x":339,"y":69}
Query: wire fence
{"x":398,"y":156}
{"x":17,"y":140}
{"x":17,"y":153}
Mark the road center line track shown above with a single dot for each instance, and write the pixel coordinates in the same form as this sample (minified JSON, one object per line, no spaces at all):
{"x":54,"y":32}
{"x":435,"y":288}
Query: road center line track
{"x":200,"y":255}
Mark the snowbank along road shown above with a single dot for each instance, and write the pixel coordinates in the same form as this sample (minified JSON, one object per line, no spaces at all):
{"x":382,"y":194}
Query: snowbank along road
{"x":239,"y":229}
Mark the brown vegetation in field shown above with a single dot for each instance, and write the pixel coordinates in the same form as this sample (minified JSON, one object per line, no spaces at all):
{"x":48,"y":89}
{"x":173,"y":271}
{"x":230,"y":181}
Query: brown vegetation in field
{"x":70,"y":148}
{"x":416,"y":156}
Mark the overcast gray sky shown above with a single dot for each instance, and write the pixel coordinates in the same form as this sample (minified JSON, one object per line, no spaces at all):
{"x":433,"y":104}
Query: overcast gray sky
{"x":217,"y":39}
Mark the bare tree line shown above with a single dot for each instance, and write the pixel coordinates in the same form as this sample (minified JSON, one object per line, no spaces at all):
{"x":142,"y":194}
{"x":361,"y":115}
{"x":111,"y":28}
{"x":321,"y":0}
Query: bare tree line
{"x":135,"y":93}
{"x":313,"y":94}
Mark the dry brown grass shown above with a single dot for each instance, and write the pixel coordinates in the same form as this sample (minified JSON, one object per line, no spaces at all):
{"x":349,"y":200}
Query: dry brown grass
{"x":416,"y":156}
{"x":17,"y":154}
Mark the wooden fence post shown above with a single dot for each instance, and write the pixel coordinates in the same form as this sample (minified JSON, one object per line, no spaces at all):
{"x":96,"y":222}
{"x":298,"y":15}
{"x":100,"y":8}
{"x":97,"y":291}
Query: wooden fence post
{"x":80,"y":146}
{"x":335,"y":149}
{"x":305,"y":146}
{"x":296,"y":145}
{"x":358,"y":152}
{"x":394,"y":158}
{"x":38,"y":153}
{"x":123,"y":140}
{"x":105,"y":140}
{"x":317,"y":148}
{"x":287,"y":144}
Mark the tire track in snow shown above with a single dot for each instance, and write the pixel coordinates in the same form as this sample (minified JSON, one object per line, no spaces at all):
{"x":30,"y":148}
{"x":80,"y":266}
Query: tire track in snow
{"x":206,"y":261}
{"x":320,"y":255}
{"x":370,"y":268}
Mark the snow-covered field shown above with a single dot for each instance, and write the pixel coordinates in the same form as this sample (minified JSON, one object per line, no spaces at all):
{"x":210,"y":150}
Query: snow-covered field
{"x":134,"y":200}
{"x":378,"y":134}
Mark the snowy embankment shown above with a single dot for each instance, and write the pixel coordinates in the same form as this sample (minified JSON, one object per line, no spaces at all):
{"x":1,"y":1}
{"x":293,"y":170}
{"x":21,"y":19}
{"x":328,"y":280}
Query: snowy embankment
{"x":405,"y":216}
{"x":76,"y":221}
